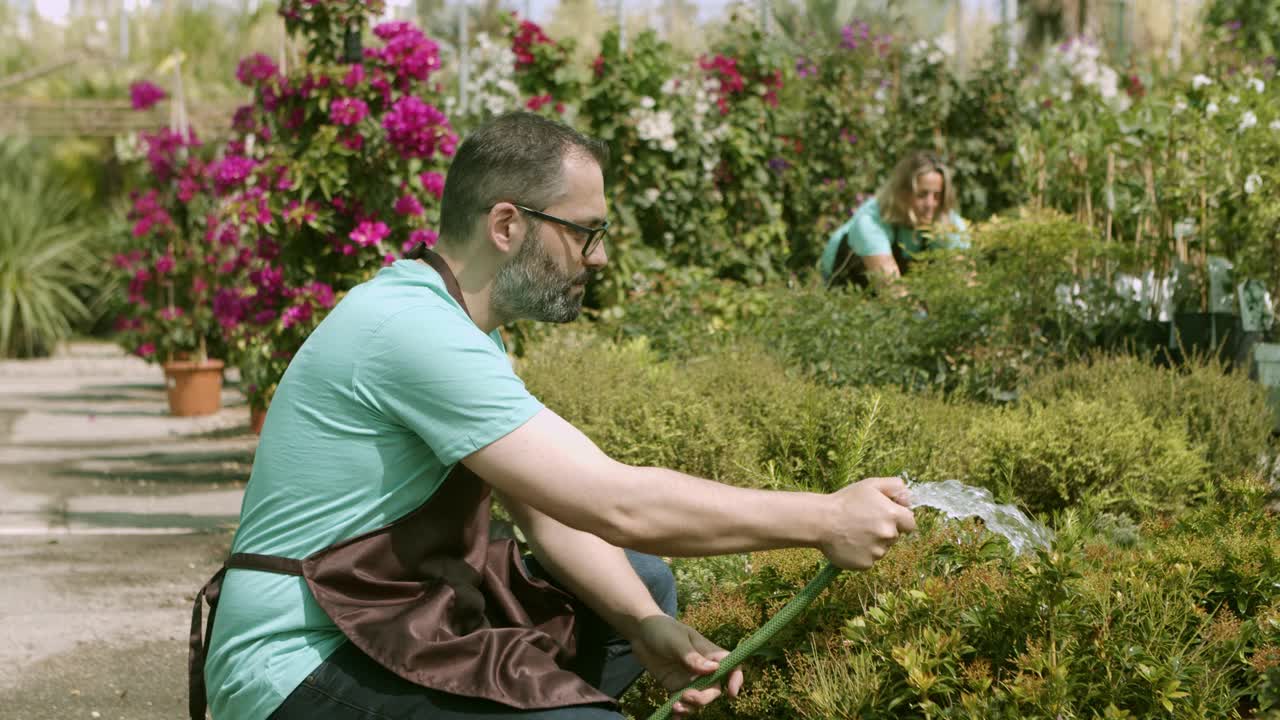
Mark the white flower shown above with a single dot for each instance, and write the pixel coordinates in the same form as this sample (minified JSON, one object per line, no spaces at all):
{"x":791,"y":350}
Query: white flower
{"x":1275,"y":125}
{"x":1257,"y":85}
{"x":651,"y":195}
{"x":669,"y":87}
{"x":1200,"y":81}
{"x":1211,"y":109}
{"x":1234,"y":100}
{"x":1179,"y":105}
{"x":657,"y":128}
{"x":1247,"y":121}
{"x":1252,"y":183}
{"x":647,"y":102}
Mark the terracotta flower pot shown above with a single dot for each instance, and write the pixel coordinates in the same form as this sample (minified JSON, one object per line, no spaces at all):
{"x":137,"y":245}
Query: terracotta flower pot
{"x":257,"y":415}
{"x":194,"y":388}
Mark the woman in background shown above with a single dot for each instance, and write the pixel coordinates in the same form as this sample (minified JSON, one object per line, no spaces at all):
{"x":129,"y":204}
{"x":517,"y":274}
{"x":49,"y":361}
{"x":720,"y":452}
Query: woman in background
{"x":912,"y":212}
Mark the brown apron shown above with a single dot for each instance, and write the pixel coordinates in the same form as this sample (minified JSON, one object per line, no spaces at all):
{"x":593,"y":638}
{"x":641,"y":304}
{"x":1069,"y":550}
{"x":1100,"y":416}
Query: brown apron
{"x":432,"y":599}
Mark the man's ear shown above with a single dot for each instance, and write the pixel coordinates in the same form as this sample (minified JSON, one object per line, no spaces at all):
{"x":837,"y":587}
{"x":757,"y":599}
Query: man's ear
{"x":504,"y":227}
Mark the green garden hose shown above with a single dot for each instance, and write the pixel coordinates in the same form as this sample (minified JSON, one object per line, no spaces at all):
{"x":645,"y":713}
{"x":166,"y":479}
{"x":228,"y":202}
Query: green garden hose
{"x":757,"y":640}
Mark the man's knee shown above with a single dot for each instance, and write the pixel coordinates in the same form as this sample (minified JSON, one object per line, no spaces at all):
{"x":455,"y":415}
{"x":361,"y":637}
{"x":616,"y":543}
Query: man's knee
{"x":657,"y":576}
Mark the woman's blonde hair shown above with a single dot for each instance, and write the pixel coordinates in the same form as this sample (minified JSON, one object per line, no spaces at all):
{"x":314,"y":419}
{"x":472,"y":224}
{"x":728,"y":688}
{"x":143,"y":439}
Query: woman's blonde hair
{"x":896,"y":194}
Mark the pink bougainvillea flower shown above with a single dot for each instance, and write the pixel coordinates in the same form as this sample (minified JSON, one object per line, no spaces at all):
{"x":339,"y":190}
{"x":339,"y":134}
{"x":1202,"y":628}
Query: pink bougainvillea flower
{"x":170,"y":314}
{"x":321,"y":293}
{"x":143,"y":95}
{"x":536,"y":102}
{"x":254,"y":69}
{"x":231,"y":171}
{"x":165,"y":264}
{"x":415,"y":128}
{"x":421,"y":236}
{"x":228,"y":307}
{"x":295,"y":314}
{"x":369,"y":233}
{"x":409,"y":205}
{"x":394,"y":28}
{"x":354,"y":77}
{"x":146,"y":350}
{"x":433,"y":182}
{"x":348,"y":111}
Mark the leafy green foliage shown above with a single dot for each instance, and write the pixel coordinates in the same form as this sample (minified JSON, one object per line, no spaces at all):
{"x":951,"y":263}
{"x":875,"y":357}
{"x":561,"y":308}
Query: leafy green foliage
{"x":45,"y":255}
{"x":1101,"y":452}
{"x":1223,"y":413}
{"x":951,"y":625}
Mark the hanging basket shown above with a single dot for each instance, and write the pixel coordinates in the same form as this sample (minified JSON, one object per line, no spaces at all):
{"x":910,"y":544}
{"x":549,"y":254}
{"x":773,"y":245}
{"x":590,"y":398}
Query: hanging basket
{"x":194,"y":388}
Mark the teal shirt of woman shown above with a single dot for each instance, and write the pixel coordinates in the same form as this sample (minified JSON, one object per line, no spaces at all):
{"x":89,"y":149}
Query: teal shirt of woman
{"x":868,"y":234}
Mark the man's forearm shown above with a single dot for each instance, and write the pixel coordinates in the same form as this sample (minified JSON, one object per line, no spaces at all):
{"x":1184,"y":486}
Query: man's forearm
{"x":665,"y":512}
{"x":596,"y":572}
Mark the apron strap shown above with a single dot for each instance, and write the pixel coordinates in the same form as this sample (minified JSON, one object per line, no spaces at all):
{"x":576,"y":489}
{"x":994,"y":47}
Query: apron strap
{"x":198,"y":644}
{"x":438,"y":264}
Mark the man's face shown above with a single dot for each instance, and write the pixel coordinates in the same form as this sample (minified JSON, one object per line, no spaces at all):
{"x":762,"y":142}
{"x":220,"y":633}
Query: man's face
{"x":547,"y":278}
{"x":927,"y":196}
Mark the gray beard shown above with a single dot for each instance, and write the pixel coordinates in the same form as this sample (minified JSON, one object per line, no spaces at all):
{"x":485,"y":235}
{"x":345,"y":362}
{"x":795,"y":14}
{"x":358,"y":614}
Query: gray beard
{"x":532,"y":287}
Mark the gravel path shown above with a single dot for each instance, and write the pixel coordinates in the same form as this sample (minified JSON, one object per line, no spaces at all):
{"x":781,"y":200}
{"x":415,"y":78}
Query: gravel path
{"x":112,"y":514}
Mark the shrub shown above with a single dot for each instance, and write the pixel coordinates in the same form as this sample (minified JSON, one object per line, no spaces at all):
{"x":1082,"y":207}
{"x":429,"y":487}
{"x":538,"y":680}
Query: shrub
{"x":736,"y":415}
{"x":1224,"y":414}
{"x":950,"y":625}
{"x":638,"y":410}
{"x":45,"y":255}
{"x":1103,"y":452}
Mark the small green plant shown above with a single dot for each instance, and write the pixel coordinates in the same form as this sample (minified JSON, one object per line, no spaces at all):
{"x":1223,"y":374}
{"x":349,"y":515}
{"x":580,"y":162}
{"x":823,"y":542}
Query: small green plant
{"x":45,"y":256}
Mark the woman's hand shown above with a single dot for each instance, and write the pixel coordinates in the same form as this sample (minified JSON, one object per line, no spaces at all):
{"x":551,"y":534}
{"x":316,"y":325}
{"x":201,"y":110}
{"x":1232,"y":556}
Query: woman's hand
{"x":676,"y":655}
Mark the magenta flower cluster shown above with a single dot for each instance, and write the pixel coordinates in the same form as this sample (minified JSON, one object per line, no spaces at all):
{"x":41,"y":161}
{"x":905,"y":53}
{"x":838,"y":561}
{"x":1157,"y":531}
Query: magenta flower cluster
{"x":163,"y":149}
{"x":231,"y":172}
{"x":369,"y":232}
{"x":143,"y":95}
{"x":418,"y":130}
{"x":148,"y":214}
{"x":409,"y":54}
{"x":255,"y":69}
{"x":348,"y":111}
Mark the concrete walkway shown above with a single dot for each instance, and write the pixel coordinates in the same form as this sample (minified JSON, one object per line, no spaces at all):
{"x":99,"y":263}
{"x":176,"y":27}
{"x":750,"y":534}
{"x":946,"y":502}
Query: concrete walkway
{"x":112,"y":514}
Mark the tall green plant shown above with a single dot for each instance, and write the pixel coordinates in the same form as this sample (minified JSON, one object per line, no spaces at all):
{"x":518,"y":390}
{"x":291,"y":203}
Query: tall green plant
{"x":44,"y":255}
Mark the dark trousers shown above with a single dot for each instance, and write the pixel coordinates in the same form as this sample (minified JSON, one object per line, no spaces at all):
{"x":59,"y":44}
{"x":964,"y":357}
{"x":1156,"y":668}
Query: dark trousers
{"x":350,"y":686}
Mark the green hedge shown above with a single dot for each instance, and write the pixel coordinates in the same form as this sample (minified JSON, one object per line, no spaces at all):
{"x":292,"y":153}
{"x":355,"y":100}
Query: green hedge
{"x":1184,"y":624}
{"x":1223,"y":413}
{"x":1158,"y":597}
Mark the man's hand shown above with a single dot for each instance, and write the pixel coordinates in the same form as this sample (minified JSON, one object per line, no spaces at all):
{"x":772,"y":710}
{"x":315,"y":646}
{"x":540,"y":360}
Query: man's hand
{"x":676,"y":655}
{"x":868,"y":518}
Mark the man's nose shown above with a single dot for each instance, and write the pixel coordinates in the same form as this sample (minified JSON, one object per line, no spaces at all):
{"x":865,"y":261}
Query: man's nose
{"x":599,"y":256}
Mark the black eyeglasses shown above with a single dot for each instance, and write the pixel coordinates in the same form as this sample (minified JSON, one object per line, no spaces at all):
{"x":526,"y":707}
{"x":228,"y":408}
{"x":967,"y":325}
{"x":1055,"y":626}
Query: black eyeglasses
{"x":593,"y":235}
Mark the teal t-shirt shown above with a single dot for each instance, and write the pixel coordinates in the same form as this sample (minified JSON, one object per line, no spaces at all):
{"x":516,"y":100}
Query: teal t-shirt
{"x":389,"y":392}
{"x":868,"y":234}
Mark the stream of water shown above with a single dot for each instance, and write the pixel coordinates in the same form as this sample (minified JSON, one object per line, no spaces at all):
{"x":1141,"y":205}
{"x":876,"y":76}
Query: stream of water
{"x":957,"y":500}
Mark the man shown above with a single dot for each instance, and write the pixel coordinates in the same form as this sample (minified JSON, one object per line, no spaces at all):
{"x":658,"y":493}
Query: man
{"x":369,"y":466}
